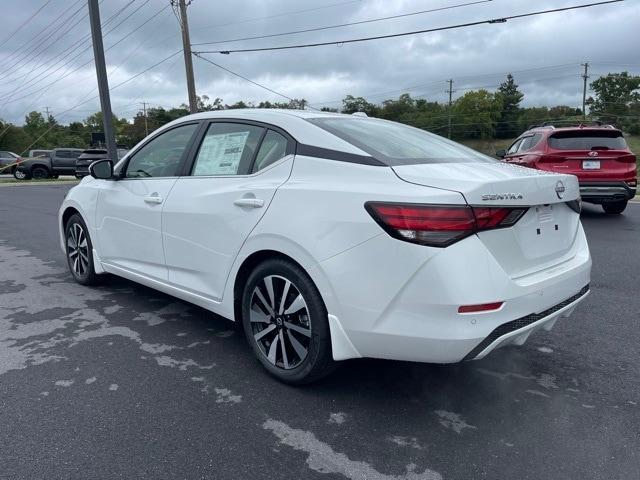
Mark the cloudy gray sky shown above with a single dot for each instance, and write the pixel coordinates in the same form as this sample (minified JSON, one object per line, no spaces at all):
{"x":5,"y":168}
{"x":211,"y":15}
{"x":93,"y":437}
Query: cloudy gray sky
{"x":42,"y":63}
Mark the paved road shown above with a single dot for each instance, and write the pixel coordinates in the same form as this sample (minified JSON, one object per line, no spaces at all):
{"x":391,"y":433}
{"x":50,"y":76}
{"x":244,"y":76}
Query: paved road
{"x":124,"y":382}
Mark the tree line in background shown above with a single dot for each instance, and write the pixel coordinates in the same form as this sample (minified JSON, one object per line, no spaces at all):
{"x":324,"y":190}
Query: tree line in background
{"x":478,"y":114}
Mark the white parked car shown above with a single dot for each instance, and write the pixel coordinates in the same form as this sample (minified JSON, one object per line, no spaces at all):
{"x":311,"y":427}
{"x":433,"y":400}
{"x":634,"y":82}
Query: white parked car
{"x":335,"y":236}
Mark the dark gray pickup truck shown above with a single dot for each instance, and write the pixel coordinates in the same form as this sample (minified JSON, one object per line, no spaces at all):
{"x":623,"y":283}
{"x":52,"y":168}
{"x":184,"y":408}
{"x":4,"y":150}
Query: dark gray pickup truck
{"x":60,"y":161}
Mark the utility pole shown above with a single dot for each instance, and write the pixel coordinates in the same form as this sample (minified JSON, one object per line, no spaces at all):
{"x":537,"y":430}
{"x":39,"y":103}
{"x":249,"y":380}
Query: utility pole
{"x":585,"y":76}
{"x":146,"y":128}
{"x":450,"y":92}
{"x":103,"y":84}
{"x":188,"y":60}
{"x":48,"y":113}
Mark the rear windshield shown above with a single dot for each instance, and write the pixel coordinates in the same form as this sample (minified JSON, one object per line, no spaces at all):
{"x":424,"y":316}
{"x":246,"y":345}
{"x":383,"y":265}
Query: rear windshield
{"x":587,"y":140}
{"x":396,"y":144}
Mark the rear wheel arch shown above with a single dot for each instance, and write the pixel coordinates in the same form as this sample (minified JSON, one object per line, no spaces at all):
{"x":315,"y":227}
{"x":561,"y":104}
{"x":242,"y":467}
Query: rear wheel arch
{"x":248,"y":265}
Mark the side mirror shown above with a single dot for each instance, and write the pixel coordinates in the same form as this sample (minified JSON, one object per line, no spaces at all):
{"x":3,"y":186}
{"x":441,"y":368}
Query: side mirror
{"x":501,"y":153}
{"x":101,"y":169}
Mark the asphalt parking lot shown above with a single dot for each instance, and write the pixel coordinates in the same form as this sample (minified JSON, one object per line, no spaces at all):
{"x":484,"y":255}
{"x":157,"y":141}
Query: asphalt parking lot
{"x":121,"y":381}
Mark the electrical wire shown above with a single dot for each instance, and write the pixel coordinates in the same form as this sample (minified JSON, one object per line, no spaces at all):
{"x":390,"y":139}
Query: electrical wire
{"x":415,"y":32}
{"x":276,"y":15}
{"x":97,"y":96}
{"x":245,"y":78}
{"x":5,"y":100}
{"x":23,"y":24}
{"x":361,"y":22}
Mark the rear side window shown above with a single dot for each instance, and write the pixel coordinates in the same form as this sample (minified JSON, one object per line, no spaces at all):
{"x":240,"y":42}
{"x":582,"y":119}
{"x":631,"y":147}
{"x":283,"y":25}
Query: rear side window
{"x":396,"y":144}
{"x":273,"y":148}
{"x":529,"y":142}
{"x":587,"y":140}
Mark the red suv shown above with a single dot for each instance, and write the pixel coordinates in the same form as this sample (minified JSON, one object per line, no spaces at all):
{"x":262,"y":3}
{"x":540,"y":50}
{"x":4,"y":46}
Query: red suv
{"x":597,"y":155}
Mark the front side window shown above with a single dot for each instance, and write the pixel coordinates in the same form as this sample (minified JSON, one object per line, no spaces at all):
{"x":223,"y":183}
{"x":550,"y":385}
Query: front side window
{"x":161,"y":156}
{"x":514,"y":148}
{"x":397,"y":144}
{"x":272,"y":149}
{"x":227,"y":149}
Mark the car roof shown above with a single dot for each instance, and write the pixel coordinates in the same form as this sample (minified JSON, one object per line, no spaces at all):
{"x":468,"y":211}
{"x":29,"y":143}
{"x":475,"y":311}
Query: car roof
{"x":292,"y":121}
{"x":552,"y":129}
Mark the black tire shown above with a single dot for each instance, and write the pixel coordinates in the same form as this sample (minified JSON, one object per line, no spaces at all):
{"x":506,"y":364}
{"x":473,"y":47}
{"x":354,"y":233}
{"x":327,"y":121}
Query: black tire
{"x":297,"y":331}
{"x":615,"y":208}
{"x":38,"y":172}
{"x":81,"y":264}
{"x":18,"y":175}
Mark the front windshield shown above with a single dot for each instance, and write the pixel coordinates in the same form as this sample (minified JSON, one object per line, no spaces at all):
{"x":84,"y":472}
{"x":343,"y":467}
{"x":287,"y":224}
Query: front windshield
{"x":397,"y":144}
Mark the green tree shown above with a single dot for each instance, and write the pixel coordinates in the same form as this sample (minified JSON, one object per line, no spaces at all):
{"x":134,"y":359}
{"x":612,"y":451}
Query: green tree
{"x":510,"y":97}
{"x":476,"y":114}
{"x":616,"y":94}
{"x":351,"y":104}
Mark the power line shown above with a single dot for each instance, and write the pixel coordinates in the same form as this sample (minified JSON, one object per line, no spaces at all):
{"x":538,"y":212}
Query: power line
{"x":415,"y":32}
{"x":30,"y":53}
{"x":76,"y":56}
{"x":245,"y":78}
{"x":276,"y":15}
{"x":317,"y":29}
{"x":11,"y":35}
{"x":26,"y":46}
{"x":93,"y":98}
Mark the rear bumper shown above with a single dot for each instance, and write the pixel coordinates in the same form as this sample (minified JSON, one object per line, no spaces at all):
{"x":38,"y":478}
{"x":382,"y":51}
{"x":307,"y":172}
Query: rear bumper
{"x":517,"y":331}
{"x":600,"y":192}
{"x":400,"y":302}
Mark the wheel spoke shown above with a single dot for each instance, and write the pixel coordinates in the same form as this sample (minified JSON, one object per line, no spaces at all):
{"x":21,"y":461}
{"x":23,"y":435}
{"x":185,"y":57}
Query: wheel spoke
{"x":273,"y":350}
{"x":285,"y":360}
{"x":304,"y":331}
{"x":258,"y":336}
{"x":297,"y":346}
{"x":296,"y":305}
{"x":285,"y":292}
{"x":257,"y":316}
{"x":76,"y":268}
{"x":258,"y":294}
{"x":268,"y":282}
{"x":72,"y":252}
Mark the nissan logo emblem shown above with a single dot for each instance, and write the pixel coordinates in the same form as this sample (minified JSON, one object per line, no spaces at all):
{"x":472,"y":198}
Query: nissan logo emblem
{"x":560,"y":189}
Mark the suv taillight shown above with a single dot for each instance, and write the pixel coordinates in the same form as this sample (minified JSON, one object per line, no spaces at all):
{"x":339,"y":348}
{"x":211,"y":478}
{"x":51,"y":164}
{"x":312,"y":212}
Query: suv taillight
{"x":440,"y":225}
{"x":627,"y":158}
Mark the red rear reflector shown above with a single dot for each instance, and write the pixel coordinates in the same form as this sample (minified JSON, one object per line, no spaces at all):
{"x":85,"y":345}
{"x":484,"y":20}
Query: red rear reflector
{"x":440,"y":225}
{"x":483,"y":307}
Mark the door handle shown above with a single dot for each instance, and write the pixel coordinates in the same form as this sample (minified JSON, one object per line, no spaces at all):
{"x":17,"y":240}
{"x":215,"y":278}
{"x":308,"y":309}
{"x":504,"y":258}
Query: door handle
{"x":154,"y":198}
{"x":249,"y":202}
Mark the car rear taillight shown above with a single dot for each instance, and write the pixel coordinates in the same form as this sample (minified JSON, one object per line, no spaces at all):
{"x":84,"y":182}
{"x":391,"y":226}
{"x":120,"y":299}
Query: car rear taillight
{"x":575,"y":205}
{"x":440,"y":225}
{"x":627,"y":158}
{"x":551,"y":158}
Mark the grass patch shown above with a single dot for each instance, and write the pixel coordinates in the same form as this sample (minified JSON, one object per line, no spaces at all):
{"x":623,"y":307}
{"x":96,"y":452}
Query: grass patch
{"x":44,"y":181}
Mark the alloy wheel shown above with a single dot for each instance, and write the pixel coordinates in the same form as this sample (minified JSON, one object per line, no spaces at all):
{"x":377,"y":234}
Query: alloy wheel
{"x":280,"y":322}
{"x":78,"y":250}
{"x":19,"y":175}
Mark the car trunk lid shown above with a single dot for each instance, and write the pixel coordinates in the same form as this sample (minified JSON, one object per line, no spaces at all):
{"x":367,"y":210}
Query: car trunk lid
{"x":542,"y":238}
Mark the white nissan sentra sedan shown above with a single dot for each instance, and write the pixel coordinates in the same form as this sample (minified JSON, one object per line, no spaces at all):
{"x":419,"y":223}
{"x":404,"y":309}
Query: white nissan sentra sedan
{"x":334,"y":236}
